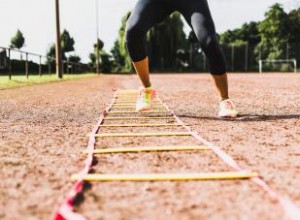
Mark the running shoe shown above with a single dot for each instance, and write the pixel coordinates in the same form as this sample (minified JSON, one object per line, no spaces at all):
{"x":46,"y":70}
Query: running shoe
{"x":227,"y":109}
{"x":145,"y":99}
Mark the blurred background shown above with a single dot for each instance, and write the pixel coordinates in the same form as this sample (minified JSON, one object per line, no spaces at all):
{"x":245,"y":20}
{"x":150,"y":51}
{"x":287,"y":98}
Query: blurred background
{"x":254,"y":35}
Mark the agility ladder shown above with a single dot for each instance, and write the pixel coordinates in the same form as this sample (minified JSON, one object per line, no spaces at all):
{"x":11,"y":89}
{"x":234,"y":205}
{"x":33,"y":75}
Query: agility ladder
{"x":121,"y":108}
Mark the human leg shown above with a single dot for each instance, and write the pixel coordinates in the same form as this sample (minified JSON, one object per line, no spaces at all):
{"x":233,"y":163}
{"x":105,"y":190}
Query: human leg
{"x":198,"y":16}
{"x":145,"y":15}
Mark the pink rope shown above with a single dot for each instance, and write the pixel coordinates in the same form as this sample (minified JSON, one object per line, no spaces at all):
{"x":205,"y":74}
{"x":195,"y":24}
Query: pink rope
{"x":66,"y":210}
{"x":290,"y":209}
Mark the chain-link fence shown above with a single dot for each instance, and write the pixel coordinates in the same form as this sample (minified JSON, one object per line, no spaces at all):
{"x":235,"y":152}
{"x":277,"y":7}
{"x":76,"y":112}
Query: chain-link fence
{"x":239,"y":58}
{"x":245,"y":58}
{"x":17,"y":62}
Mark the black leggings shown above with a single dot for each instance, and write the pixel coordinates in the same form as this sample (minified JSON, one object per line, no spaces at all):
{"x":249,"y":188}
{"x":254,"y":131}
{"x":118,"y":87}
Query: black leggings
{"x":147,"y":13}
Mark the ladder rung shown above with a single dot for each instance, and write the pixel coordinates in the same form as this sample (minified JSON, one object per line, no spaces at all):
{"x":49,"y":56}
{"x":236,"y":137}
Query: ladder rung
{"x":138,"y":125}
{"x":147,"y":149}
{"x":134,"y":118}
{"x":145,"y":112}
{"x":143,"y":134}
{"x":131,"y":101}
{"x":134,"y":101}
{"x":127,"y":95}
{"x":133,"y":107}
{"x":168,"y":176}
{"x":131,"y":98}
{"x":126,"y":90}
{"x":130,"y":105}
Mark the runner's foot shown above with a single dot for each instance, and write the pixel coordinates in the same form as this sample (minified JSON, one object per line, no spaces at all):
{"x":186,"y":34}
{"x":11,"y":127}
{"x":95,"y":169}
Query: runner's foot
{"x":145,"y":99}
{"x":227,"y":109}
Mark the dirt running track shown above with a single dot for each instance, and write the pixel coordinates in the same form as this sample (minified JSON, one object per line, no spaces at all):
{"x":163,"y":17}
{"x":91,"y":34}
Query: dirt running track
{"x":43,"y":130}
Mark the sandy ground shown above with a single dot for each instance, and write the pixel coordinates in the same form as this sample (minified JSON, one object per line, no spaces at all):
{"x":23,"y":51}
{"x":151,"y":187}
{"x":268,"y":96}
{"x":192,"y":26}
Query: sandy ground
{"x":43,"y":130}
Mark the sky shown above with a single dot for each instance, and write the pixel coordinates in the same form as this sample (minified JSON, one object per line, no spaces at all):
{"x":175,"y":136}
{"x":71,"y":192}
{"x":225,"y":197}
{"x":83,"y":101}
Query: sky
{"x":36,"y":20}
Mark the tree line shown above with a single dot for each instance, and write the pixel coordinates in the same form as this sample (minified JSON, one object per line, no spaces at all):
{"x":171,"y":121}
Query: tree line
{"x":275,"y":37}
{"x":67,"y":45}
{"x":73,"y":61}
{"x":170,"y":49}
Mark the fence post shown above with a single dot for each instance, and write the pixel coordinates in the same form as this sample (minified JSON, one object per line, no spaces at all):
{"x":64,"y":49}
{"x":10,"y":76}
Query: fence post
{"x":191,"y":56}
{"x":58,"y":55}
{"x":260,"y":66}
{"x":287,"y":51}
{"x":9,"y":65}
{"x":49,"y":67}
{"x":204,"y":62}
{"x":232,"y":57}
{"x":246,"y":56}
{"x":26,"y":65}
{"x":260,"y":54}
{"x":40,"y":66}
{"x":68,"y":67}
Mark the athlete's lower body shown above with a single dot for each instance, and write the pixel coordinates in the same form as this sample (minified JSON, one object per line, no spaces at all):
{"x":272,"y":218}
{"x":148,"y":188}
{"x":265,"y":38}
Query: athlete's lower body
{"x":148,"y":13}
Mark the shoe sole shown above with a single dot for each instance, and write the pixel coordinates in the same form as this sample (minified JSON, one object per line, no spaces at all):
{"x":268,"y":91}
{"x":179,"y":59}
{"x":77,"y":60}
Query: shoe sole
{"x":228,"y":116}
{"x":145,"y":109}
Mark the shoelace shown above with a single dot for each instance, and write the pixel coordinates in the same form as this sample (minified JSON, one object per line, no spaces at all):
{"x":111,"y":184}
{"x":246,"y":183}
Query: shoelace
{"x":229,"y":105}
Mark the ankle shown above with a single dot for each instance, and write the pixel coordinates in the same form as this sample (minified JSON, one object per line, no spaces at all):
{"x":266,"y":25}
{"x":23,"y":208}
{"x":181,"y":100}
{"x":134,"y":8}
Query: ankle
{"x":147,"y":85}
{"x":224,"y":98}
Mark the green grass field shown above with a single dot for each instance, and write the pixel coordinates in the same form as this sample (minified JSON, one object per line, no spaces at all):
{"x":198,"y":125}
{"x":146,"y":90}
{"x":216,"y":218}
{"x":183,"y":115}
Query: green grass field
{"x":19,"y":81}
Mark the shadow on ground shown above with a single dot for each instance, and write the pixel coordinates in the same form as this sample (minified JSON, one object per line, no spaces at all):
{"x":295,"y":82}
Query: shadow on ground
{"x":245,"y":117}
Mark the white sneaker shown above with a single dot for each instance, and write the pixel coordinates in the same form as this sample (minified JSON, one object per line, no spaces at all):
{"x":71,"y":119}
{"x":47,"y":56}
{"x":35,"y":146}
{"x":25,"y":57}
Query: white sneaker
{"x":145,"y":99}
{"x":227,"y":109}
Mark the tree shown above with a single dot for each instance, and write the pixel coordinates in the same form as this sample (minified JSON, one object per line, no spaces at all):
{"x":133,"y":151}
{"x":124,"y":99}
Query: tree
{"x":273,"y":31}
{"x":194,"y":55}
{"x":18,"y":40}
{"x":72,"y":64}
{"x":106,"y":62}
{"x":74,"y":59}
{"x":238,"y":46}
{"x":98,"y":46}
{"x":294,"y":25}
{"x":118,"y":58}
{"x":92,"y":58}
{"x":93,"y":55}
{"x":67,"y":42}
{"x":294,"y":34}
{"x":122,"y":61}
{"x":228,"y":37}
{"x":276,"y":37}
{"x":247,"y":33}
{"x":105,"y":58}
{"x":101,"y":45}
{"x":164,"y":41}
{"x":51,"y":54}
{"x":51,"y":51}
{"x":166,"y":44}
{"x":67,"y":45}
